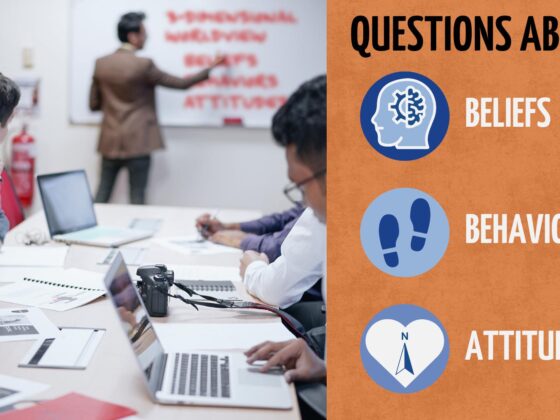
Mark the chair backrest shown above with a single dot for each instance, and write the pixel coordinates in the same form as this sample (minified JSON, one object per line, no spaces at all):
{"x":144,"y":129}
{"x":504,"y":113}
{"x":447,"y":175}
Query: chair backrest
{"x":10,"y":201}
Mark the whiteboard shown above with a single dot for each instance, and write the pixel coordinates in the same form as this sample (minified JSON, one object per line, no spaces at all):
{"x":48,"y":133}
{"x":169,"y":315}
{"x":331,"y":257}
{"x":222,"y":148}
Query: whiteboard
{"x":273,"y":46}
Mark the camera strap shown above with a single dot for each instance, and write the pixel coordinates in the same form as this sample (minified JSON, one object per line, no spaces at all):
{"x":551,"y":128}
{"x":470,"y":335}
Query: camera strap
{"x":212,"y":302}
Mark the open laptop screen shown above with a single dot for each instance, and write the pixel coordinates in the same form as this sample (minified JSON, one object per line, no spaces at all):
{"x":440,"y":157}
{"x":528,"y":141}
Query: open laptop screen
{"x":135,"y":322}
{"x":67,"y":202}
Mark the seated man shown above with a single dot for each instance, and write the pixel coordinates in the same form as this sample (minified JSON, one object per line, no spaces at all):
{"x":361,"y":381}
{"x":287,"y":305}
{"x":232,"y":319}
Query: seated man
{"x":300,"y":126}
{"x":9,"y":98}
{"x":262,"y":235}
{"x":284,"y":281}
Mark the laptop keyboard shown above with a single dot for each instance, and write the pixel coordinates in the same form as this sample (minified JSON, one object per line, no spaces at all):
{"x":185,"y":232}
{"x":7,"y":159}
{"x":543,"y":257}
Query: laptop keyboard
{"x":201,"y":375}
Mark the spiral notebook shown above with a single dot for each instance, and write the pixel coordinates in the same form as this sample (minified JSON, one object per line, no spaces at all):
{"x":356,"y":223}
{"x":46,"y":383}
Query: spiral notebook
{"x":56,"y":289}
{"x":218,"y":282}
{"x":221,"y":289}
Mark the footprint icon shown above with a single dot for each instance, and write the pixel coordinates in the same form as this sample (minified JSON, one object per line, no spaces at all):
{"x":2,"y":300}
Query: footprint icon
{"x":388,"y":234}
{"x":420,"y":217}
{"x":404,"y":233}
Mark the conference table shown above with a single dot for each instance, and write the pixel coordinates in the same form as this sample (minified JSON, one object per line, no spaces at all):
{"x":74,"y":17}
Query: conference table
{"x":113,"y":374}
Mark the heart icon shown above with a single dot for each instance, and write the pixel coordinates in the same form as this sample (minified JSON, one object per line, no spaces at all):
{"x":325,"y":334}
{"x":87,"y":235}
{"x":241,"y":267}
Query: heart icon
{"x":405,"y":351}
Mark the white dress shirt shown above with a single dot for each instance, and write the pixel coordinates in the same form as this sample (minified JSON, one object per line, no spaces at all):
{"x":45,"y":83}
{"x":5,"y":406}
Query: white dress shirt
{"x":283,"y":282}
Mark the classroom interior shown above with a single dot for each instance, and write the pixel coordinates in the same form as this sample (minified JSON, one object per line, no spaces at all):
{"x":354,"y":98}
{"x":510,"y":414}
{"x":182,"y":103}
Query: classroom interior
{"x":207,"y":160}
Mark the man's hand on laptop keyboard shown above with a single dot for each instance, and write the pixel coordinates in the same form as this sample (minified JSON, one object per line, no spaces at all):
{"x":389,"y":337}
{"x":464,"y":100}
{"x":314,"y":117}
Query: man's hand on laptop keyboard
{"x":300,"y":362}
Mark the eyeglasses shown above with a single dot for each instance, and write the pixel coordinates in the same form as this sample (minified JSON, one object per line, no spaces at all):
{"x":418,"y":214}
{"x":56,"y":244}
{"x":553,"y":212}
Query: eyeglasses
{"x":295,"y":193}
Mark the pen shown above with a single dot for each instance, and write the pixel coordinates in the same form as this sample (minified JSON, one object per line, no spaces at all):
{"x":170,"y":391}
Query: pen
{"x":206,"y":227}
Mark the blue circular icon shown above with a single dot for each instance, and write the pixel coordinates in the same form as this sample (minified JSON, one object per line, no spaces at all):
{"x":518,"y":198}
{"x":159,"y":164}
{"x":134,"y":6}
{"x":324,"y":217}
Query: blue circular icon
{"x":404,"y":348}
{"x":404,"y":116}
{"x":404,"y":232}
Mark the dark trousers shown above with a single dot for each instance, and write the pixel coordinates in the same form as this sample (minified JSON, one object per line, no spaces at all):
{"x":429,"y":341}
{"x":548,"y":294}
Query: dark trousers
{"x":138,"y":170}
{"x":309,"y":314}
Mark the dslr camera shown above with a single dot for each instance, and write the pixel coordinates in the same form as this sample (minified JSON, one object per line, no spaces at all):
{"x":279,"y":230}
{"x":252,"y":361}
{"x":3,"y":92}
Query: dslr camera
{"x":154,"y":287}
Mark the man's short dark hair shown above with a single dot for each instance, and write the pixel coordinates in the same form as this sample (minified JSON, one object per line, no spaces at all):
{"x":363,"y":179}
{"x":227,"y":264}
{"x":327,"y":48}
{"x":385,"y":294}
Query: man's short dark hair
{"x":9,"y":98}
{"x":302,"y":121}
{"x":129,"y":22}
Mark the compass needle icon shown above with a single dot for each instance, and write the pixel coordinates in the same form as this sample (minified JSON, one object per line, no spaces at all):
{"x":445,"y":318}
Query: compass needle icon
{"x":404,"y":358}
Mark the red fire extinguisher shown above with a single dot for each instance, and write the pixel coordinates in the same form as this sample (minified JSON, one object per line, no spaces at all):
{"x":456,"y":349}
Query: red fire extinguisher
{"x":23,"y":166}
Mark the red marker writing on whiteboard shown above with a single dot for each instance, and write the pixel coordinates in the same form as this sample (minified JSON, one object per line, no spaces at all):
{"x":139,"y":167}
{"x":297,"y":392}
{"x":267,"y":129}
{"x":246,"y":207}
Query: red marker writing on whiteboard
{"x":233,"y":121}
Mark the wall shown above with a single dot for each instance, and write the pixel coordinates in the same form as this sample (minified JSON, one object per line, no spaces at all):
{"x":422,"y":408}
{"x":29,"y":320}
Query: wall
{"x":216,"y":168}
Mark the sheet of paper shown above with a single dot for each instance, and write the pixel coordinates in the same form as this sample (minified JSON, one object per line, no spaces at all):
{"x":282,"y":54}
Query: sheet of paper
{"x":219,"y":336}
{"x":17,"y":274}
{"x":58,"y":290}
{"x":33,"y":256}
{"x":132,"y":256}
{"x":17,"y":324}
{"x":194,"y":245}
{"x":151,"y":225}
{"x":14,"y":389}
{"x":71,"y":349}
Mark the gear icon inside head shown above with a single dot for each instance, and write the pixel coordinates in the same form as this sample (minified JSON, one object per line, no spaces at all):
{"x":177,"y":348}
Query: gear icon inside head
{"x":404,"y":114}
{"x":408,"y":107}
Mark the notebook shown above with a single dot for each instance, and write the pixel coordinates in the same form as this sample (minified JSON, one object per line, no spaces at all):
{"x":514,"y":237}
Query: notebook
{"x":218,"y":282}
{"x":57,"y":289}
{"x":221,"y":289}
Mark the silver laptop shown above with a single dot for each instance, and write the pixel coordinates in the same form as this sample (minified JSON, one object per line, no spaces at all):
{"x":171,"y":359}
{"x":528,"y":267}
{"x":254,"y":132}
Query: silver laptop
{"x":68,"y":206}
{"x":214,"y":378}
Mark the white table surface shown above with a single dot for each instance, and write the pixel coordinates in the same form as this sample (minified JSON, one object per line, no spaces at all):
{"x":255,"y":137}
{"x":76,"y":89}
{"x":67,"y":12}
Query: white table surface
{"x":113,"y":374}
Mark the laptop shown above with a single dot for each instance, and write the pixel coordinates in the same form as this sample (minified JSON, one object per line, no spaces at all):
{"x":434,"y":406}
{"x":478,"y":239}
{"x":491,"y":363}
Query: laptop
{"x":211,"y":378}
{"x":68,"y":206}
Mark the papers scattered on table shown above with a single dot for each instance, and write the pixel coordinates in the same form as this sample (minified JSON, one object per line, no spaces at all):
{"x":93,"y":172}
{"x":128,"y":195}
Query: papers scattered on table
{"x":220,"y":336}
{"x":55,"y":289}
{"x":33,"y":256}
{"x":13,"y":389}
{"x":194,"y":245}
{"x":25,"y":324}
{"x":132,"y":256}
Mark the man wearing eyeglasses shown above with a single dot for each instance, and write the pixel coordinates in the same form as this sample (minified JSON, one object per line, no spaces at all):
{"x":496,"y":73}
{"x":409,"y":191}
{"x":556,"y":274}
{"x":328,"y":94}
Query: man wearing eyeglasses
{"x":300,"y":265}
{"x":300,"y":127}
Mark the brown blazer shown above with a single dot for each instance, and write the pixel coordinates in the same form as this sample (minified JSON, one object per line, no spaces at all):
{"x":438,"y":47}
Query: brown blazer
{"x":123,"y":88}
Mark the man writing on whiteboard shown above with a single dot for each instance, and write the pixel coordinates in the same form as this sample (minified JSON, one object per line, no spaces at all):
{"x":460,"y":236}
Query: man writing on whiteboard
{"x":123,"y":88}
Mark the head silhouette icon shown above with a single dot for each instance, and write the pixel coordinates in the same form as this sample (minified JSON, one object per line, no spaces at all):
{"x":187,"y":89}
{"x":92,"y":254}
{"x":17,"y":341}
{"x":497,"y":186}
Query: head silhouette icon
{"x":404,"y":115}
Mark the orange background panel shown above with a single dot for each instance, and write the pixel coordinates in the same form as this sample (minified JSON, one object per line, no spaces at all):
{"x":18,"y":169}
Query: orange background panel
{"x":474,"y":170}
